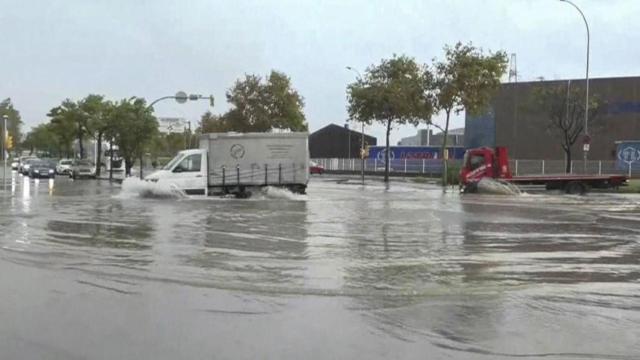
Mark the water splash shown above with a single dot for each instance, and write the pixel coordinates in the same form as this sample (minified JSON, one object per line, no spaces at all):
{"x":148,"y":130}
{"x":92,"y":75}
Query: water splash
{"x":134,"y":187}
{"x":271,"y":192}
{"x":493,"y":186}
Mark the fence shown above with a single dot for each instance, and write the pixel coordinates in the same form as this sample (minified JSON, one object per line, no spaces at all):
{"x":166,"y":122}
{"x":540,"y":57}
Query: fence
{"x":518,"y":167}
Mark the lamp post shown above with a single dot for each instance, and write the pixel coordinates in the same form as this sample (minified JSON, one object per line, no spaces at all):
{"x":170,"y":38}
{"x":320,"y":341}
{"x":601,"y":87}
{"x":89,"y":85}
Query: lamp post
{"x":4,"y":148}
{"x":181,"y":97}
{"x":587,"y":139}
{"x":361,"y":133}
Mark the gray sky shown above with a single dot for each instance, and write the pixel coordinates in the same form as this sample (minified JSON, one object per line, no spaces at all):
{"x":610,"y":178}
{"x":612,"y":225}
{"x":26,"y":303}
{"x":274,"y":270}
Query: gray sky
{"x":52,"y":49}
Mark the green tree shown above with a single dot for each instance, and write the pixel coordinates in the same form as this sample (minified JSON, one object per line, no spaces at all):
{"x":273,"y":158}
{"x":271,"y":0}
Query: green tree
{"x":14,"y":122}
{"x":210,"y":122}
{"x":96,"y":110}
{"x":563,"y":106}
{"x":261,"y":106}
{"x":394,"y":92}
{"x":466,"y":80}
{"x":42,"y":138}
{"x":134,"y":127}
{"x":70,"y":118}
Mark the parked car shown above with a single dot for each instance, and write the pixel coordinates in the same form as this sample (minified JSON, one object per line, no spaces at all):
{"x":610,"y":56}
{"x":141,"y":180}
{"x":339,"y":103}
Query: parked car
{"x":64,"y":166}
{"x":22,"y":161}
{"x":26,"y":164}
{"x":14,"y":164}
{"x":82,"y":168}
{"x":42,"y":169}
{"x":315,"y":168}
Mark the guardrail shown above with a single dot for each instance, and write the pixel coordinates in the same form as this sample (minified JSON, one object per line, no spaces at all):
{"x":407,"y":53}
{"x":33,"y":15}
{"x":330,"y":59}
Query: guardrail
{"x":518,"y":167}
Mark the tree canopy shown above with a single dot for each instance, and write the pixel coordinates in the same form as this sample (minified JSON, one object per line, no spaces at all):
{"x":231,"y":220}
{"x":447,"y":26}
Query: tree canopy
{"x":261,"y":105}
{"x":394,"y":92}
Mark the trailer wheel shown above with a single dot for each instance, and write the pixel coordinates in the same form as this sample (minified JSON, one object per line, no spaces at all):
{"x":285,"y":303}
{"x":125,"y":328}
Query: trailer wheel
{"x":575,"y":188}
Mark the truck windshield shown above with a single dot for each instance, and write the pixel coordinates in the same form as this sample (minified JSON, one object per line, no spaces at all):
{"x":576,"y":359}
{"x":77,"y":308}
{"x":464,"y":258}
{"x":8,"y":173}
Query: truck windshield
{"x":173,"y":162}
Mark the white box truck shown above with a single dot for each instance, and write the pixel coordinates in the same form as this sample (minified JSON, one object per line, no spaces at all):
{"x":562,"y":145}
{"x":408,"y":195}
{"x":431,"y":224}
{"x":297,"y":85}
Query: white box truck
{"x":237,"y":163}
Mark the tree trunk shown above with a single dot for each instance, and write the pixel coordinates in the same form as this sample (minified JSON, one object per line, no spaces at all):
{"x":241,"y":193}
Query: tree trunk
{"x":99,"y":154}
{"x":567,"y":165}
{"x":141,"y":164}
{"x":80,"y":145}
{"x":111,"y":160}
{"x":443,"y":148}
{"x":128,"y":164}
{"x":387,"y":160}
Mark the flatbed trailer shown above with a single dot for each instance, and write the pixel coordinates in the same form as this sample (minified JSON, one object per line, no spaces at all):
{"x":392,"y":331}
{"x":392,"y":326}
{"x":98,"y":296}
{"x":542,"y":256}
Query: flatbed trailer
{"x":571,"y":184}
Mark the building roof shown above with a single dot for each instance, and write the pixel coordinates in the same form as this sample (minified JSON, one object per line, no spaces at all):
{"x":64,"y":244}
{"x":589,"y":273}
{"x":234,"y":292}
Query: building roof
{"x":336,"y":127}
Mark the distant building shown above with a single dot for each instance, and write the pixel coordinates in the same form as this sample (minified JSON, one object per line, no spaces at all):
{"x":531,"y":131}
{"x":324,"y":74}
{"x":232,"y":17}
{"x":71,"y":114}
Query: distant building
{"x":335,"y":141}
{"x":527,"y":135}
{"x":169,"y":125}
{"x":426,"y":137}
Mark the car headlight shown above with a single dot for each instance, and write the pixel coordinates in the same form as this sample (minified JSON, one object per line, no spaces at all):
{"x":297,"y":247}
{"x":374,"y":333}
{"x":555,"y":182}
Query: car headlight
{"x":36,"y":170}
{"x":50,"y":171}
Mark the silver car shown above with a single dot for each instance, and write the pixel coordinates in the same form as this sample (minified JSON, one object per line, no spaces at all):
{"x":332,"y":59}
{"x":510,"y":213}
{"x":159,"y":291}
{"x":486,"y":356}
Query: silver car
{"x":64,"y":166}
{"x":82,"y":168}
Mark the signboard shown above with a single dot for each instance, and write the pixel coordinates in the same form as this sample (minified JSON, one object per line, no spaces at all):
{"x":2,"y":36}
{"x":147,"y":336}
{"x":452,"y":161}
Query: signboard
{"x":628,"y":156}
{"x":414,"y":152}
{"x":585,"y":147}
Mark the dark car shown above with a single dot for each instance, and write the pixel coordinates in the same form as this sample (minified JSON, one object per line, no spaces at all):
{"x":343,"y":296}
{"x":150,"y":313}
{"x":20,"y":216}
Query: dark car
{"x":42,"y":169}
{"x":82,"y":168}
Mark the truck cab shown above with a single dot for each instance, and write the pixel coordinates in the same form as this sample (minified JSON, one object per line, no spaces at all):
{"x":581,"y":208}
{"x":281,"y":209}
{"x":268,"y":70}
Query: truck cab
{"x":186,"y":172}
{"x":484,"y":162}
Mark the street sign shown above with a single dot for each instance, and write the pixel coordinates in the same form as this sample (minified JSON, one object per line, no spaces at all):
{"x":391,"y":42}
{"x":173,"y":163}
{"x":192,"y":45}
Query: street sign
{"x":181,"y":97}
{"x":586,"y":139}
{"x":585,"y":147}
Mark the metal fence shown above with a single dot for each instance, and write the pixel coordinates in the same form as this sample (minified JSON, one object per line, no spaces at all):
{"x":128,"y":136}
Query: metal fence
{"x":518,"y":167}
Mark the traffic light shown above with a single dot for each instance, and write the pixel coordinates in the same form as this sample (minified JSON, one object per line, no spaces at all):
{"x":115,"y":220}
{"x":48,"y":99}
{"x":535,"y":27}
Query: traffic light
{"x":9,"y":144}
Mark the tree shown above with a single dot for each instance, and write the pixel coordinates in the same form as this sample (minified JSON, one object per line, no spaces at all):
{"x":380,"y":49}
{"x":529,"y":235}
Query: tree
{"x":564,"y":108}
{"x":96,"y":111}
{"x":43,"y":138}
{"x":212,"y":123}
{"x":69,"y":117}
{"x":133,"y":128}
{"x":394,"y":92}
{"x":259,"y":106}
{"x":466,"y":80}
{"x":14,"y":122}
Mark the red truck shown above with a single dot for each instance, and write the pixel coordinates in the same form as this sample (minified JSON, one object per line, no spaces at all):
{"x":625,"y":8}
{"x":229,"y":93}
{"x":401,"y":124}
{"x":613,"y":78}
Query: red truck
{"x":494,"y":163}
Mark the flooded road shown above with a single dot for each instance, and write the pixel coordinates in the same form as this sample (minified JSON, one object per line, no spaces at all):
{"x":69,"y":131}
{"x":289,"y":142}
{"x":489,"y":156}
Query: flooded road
{"x":91,"y":271}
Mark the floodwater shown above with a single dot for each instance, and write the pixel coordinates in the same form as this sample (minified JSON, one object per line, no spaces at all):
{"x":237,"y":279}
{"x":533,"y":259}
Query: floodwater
{"x":91,"y":271}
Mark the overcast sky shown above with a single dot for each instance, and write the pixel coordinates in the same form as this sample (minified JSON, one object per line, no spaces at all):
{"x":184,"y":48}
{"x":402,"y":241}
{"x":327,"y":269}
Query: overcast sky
{"x":52,"y":49}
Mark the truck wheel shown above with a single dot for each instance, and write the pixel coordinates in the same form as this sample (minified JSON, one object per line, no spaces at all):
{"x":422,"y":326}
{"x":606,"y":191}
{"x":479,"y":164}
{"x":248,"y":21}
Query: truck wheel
{"x":575,"y":188}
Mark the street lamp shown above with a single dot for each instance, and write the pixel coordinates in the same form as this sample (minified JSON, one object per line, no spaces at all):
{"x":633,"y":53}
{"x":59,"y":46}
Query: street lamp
{"x":4,"y":148}
{"x":361,"y":134}
{"x":181,"y":97}
{"x":587,"y":139}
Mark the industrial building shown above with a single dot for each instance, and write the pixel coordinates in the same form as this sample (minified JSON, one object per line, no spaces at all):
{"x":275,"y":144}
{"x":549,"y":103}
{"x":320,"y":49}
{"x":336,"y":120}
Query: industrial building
{"x":426,"y":137}
{"x":527,"y":134}
{"x":335,"y":141}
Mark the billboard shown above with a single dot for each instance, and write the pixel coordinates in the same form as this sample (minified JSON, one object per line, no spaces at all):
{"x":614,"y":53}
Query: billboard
{"x":414,"y":152}
{"x":628,"y":155}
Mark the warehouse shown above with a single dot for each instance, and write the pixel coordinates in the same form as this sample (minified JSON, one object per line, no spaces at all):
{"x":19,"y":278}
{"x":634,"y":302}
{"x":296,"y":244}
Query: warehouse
{"x":335,"y":141}
{"x":527,"y":133}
